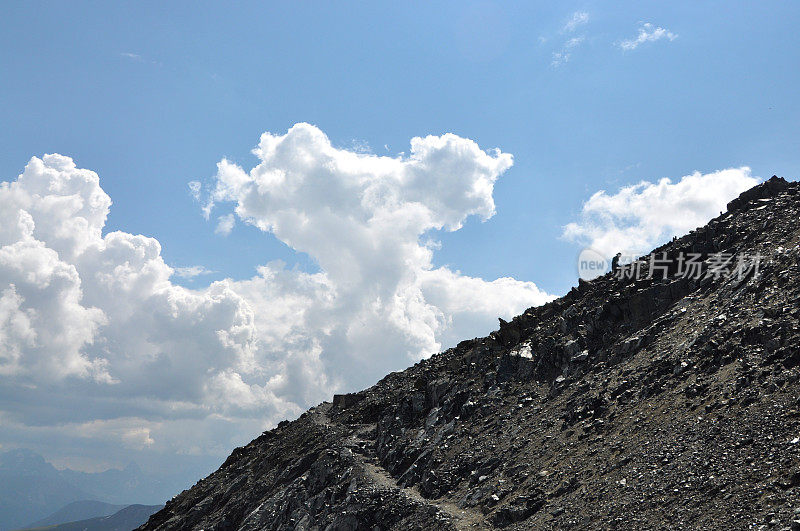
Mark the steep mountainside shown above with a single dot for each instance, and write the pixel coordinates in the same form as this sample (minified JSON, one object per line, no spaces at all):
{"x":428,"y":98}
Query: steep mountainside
{"x":629,"y":403}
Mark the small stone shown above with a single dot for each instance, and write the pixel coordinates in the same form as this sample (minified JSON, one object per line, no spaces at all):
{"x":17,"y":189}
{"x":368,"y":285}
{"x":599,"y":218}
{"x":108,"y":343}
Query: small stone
{"x":581,"y":356}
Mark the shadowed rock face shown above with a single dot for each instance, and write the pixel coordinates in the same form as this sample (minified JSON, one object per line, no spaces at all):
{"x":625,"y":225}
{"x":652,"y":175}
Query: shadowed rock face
{"x":632,"y":404}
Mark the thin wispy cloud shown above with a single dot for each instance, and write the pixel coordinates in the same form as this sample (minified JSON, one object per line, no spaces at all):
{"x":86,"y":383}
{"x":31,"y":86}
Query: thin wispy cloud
{"x":565,"y":53}
{"x":194,"y":188}
{"x":578,"y":19}
{"x":360,"y":146}
{"x":647,"y":33}
{"x":132,"y":56}
{"x":191,"y":272}
{"x":225,"y":224}
{"x":135,"y":57}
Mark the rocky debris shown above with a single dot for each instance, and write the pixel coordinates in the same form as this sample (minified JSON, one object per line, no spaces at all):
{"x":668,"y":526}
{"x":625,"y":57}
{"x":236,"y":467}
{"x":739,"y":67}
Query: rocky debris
{"x":347,"y":400}
{"x":771,"y":188}
{"x":650,"y":403}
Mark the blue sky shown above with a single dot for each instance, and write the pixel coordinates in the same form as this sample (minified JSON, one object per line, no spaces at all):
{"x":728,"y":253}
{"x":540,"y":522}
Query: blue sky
{"x":208,"y":79}
{"x":152,"y":96}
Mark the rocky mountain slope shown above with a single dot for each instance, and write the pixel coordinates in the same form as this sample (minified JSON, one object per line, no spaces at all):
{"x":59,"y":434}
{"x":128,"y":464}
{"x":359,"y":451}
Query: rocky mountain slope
{"x":649,"y":403}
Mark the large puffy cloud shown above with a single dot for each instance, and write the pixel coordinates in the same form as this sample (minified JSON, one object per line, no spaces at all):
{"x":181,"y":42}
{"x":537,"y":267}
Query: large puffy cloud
{"x":96,"y":338}
{"x":43,"y":325}
{"x":637,"y":217}
{"x":378,"y":302}
{"x":85,"y":316}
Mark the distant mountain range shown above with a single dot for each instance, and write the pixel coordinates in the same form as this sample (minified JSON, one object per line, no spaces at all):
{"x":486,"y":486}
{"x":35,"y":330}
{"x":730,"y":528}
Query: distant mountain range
{"x":125,"y":519}
{"x":31,"y":489}
{"x":79,"y":510}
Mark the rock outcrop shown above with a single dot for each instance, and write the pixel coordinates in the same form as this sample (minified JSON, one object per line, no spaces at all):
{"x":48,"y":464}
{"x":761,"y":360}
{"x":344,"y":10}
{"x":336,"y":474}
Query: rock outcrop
{"x":648,"y":398}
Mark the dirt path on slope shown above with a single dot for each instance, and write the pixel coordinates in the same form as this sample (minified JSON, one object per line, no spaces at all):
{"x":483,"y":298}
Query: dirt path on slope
{"x":462,"y":519}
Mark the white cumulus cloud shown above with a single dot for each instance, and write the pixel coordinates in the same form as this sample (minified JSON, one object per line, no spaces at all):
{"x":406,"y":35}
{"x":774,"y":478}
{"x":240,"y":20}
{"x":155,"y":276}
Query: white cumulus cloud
{"x":362,"y":217}
{"x":85,"y":312}
{"x":647,"y":33}
{"x":93,"y":333}
{"x":638,"y":217}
